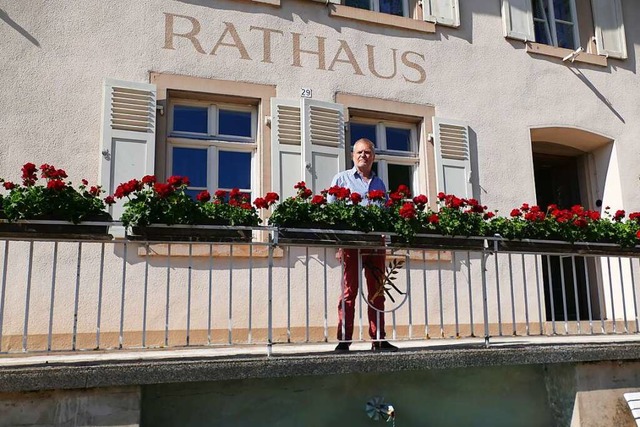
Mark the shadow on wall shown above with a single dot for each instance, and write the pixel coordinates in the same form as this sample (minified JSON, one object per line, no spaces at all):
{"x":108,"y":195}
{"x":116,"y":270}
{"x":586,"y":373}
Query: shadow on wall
{"x":5,"y":17}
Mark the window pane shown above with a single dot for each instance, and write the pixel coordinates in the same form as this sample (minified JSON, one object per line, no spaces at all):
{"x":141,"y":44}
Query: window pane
{"x":562,"y":10}
{"x":398,"y":139}
{"x":191,"y":162}
{"x":359,"y":130}
{"x":400,"y":174}
{"x":539,"y":9}
{"x":360,"y":4}
{"x":190,"y":119}
{"x":235,"y":123}
{"x":393,"y":7}
{"x":234,"y":169}
{"x":565,"y":36}
{"x":541,"y":32}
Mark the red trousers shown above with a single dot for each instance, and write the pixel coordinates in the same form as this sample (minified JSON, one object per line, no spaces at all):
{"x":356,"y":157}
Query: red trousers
{"x":373,"y":263}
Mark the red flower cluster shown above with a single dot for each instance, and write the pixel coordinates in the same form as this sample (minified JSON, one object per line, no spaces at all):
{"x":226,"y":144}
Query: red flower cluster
{"x":50,"y":172}
{"x":303,"y":192}
{"x":29,"y":176}
{"x":126,"y":188}
{"x":355,"y":198}
{"x":163,"y":190}
{"x":149,"y":180}
{"x":340,"y":193}
{"x":203,"y":196}
{"x":109,"y":200}
{"x":376,"y":195}
{"x":420,"y":201}
{"x":8,"y":185}
{"x":318,"y":199}
{"x":578,"y":215}
{"x":268,"y":200}
{"x":407,"y":211}
{"x":56,"y":185}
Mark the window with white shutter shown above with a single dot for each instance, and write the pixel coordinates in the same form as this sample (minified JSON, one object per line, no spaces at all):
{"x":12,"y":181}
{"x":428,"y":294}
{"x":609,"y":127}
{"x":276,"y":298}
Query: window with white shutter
{"x":444,"y":12}
{"x":286,"y":146}
{"x":128,"y":134}
{"x":453,"y":157}
{"x":555,"y":23}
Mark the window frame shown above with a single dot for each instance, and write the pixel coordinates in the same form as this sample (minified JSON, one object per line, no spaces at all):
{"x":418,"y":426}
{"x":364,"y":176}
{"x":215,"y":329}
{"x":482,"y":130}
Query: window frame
{"x":384,"y":156}
{"x":551,"y":22}
{"x":213,"y":142}
{"x":374,"y":6}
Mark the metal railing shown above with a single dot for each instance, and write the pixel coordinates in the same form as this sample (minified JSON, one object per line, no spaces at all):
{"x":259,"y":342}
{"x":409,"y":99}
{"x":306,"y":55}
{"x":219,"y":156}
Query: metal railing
{"x":67,"y":295}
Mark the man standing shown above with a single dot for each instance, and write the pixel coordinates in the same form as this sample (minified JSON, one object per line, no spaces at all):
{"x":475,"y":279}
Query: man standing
{"x":361,"y":179}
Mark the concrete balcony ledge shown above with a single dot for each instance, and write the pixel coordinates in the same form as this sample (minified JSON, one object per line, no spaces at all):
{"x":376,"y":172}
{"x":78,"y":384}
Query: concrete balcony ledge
{"x":147,"y":367}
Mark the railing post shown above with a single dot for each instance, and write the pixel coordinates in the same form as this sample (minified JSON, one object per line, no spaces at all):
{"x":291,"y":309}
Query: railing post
{"x":485,"y":311}
{"x":272,"y":244}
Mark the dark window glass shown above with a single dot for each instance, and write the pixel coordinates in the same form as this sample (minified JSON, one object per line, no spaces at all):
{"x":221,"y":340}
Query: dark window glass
{"x":398,"y":139}
{"x":565,"y":36}
{"x":360,"y":4}
{"x":562,"y":10}
{"x":190,"y":119}
{"x":234,"y":123}
{"x":193,"y":193}
{"x":191,"y":162}
{"x":359,"y":130}
{"x":539,"y":9}
{"x":234,"y":169}
{"x":541,"y":33}
{"x":392,"y":7}
{"x":400,"y":174}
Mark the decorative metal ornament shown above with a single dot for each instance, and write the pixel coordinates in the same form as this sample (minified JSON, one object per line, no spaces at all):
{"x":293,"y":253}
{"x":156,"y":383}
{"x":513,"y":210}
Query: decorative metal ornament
{"x":377,"y":409}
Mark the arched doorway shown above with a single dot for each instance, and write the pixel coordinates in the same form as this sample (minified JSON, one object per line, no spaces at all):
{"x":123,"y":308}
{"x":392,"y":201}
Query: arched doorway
{"x":570,"y":168}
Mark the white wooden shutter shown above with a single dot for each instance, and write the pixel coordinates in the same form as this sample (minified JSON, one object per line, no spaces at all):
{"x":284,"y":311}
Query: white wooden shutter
{"x":453,"y":160}
{"x":444,"y":12}
{"x":286,"y":146}
{"x":323,"y":142}
{"x":517,"y":19}
{"x":128,"y":134}
{"x":610,"y":35}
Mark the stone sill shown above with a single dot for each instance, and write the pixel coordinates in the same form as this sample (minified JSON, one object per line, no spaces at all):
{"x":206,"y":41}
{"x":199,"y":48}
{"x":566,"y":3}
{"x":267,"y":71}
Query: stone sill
{"x":377,"y":18}
{"x":560,"y":52}
{"x":199,"y":250}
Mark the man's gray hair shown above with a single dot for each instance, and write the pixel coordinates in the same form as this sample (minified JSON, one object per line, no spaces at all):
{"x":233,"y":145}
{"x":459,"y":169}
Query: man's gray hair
{"x":371,"y":145}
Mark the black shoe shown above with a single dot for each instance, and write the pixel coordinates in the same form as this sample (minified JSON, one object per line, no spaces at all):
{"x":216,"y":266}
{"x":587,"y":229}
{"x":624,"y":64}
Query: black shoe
{"x":383,"y":346}
{"x":343,"y":346}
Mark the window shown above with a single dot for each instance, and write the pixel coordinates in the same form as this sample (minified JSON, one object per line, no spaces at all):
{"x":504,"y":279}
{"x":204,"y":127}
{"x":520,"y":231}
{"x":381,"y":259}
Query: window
{"x":595,"y":25}
{"x":213,"y":144}
{"x":555,"y":23}
{"x":396,"y":149}
{"x":392,"y":7}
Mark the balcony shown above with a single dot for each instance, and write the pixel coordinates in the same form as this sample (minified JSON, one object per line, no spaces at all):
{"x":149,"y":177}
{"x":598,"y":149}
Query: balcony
{"x":269,"y":296}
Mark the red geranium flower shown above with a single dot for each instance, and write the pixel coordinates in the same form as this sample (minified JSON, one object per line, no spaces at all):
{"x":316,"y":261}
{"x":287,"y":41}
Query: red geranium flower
{"x":203,"y":196}
{"x":515,"y":213}
{"x":163,"y":190}
{"x":318,"y":200}
{"x":434,"y":219}
{"x":420,"y":200}
{"x":220,"y":194}
{"x":56,"y":184}
{"x":619,"y":215}
{"x":149,"y":180}
{"x":109,"y":200}
{"x":300,"y":185}
{"x":271,"y":198}
{"x":356,"y":198}
{"x":376,"y":195}
{"x":407,"y":211}
{"x":8,"y":185}
{"x":29,"y":176}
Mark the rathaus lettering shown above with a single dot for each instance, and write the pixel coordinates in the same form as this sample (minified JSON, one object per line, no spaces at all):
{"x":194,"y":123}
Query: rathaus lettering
{"x":314,"y":51}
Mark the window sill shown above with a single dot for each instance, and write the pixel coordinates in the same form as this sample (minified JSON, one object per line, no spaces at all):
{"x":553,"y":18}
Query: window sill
{"x":378,"y":18}
{"x":560,"y":52}
{"x":275,"y":3}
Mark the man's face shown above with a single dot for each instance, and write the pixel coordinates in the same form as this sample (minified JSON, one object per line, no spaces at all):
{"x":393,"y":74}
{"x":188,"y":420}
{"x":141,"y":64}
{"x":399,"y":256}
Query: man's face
{"x":363,"y":156}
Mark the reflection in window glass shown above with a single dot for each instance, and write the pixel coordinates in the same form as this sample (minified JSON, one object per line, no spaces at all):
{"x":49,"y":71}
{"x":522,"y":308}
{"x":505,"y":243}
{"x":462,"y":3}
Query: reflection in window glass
{"x":400,"y":174}
{"x":190,"y":119}
{"x":392,"y":7}
{"x":235,"y":123}
{"x":359,"y":130}
{"x":398,"y":139}
{"x":191,"y":162}
{"x":234,"y":169}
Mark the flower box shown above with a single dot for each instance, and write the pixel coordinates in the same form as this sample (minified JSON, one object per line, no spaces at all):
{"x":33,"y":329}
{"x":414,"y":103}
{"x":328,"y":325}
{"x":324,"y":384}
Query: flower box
{"x":562,"y":247}
{"x":315,"y":235}
{"x":188,"y":233}
{"x":439,"y":242}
